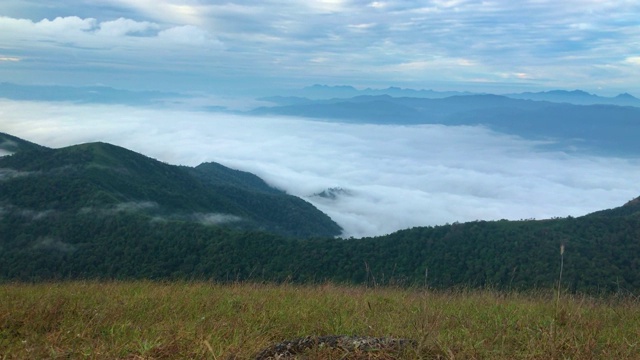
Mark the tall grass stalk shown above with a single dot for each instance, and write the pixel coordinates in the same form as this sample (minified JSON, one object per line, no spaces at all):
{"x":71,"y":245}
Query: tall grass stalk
{"x":560,"y":277}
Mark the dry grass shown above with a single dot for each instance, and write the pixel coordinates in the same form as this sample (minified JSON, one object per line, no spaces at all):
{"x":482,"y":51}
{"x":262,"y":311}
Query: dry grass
{"x":147,"y":320}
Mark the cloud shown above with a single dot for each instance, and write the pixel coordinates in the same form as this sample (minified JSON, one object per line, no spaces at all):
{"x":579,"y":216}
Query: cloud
{"x":215,"y":218}
{"x":123,"y":27}
{"x":92,"y":33}
{"x":8,"y":174}
{"x":169,"y":11}
{"x":189,"y":35}
{"x":32,"y":215}
{"x":49,"y":243}
{"x":393,"y":177}
{"x":634,"y":60}
{"x":270,"y":42}
{"x":135,"y":206}
{"x":129,"y":206}
{"x":73,"y":47}
{"x":64,"y":25}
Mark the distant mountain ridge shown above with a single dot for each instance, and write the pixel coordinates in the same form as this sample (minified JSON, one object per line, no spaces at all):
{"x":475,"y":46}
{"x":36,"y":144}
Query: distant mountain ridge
{"x":607,"y":129}
{"x":327,"y":92}
{"x":578,"y":97}
{"x":319,"y":92}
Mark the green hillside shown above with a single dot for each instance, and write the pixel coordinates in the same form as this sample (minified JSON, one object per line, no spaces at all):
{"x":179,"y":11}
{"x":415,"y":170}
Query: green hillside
{"x":12,"y":144}
{"x":101,"y":211}
{"x":99,"y":178}
{"x":601,"y":253}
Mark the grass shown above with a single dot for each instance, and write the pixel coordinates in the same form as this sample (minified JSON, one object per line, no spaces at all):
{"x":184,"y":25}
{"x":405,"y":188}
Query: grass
{"x":181,"y":320}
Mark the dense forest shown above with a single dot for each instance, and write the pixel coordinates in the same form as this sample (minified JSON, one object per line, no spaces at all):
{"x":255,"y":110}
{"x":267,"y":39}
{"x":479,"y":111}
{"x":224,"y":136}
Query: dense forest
{"x":101,"y":178}
{"x":75,"y":224}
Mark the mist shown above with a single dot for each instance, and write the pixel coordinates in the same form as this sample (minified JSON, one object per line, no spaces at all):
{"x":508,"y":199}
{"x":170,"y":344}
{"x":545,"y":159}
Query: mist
{"x":391,"y":177}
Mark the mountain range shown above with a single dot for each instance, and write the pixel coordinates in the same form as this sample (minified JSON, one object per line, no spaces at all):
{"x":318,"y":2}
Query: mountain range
{"x":101,"y":211}
{"x":108,"y":95}
{"x":577,"y":97}
{"x":608,"y":129}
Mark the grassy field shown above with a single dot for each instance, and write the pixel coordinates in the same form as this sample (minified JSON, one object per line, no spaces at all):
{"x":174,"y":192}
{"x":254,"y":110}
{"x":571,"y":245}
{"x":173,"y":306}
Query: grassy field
{"x":148,"y":320}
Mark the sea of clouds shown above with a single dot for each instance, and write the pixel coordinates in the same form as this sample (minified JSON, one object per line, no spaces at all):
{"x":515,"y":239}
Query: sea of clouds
{"x":393,"y":177}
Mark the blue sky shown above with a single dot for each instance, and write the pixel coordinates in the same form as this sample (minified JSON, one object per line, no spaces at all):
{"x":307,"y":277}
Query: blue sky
{"x":243,"y":46}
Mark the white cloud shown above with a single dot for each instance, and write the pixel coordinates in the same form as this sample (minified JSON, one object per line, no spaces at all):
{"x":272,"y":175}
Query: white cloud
{"x":394,"y":176}
{"x":189,"y":35}
{"x":65,"y":25}
{"x":181,"y":12}
{"x":634,"y":60}
{"x":8,"y":174}
{"x":49,"y":243}
{"x":14,"y":31}
{"x":135,"y":206}
{"x":270,"y":40}
{"x":122,"y":27}
{"x":83,"y":41}
{"x":215,"y":218}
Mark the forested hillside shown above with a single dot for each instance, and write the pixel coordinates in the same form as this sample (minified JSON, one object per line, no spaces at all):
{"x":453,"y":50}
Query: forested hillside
{"x":601,"y":252}
{"x":100,"y":211}
{"x":11,"y":144}
{"x":103,"y":179}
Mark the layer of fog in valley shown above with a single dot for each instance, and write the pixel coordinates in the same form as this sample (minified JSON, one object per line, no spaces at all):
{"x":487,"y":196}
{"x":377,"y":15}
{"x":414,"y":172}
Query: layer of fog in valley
{"x":371,"y":179}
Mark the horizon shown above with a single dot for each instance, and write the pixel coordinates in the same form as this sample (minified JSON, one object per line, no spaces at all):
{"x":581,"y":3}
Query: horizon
{"x":338,"y":86}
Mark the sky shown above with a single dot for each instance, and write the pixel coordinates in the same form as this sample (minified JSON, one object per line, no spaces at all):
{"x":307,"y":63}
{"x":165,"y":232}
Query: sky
{"x":393,"y":177}
{"x":253,"y":46}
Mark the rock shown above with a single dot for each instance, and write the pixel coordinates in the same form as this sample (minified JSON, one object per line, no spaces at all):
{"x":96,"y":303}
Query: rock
{"x":289,"y":348}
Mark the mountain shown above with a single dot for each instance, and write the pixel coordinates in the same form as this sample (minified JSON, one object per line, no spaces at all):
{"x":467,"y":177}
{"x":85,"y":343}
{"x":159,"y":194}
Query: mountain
{"x":600,"y":252}
{"x":325,"y":92}
{"x":600,"y":128}
{"x":10,"y":144}
{"x":99,"y":211}
{"x":319,"y":91}
{"x":577,"y":97}
{"x":103,"y":178}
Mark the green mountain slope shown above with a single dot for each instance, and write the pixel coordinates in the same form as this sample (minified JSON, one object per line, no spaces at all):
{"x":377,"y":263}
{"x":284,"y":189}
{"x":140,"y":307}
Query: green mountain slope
{"x":103,"y":178}
{"x":10,"y":144}
{"x":601,"y":252}
{"x":101,"y":211}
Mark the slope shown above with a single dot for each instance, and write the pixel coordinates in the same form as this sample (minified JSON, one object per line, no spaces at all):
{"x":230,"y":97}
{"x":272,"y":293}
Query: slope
{"x":102,"y":177}
{"x":10,"y":144}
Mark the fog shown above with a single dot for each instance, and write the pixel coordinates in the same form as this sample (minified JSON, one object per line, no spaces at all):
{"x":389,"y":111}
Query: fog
{"x":394,"y":177}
